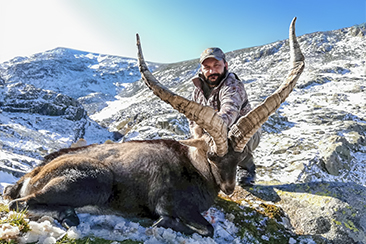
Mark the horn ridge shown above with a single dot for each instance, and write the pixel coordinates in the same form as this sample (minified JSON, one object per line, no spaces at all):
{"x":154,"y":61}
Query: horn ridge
{"x":241,"y":132}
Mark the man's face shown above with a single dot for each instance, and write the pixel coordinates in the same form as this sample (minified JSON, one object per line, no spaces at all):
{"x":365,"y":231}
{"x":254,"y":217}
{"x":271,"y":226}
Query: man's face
{"x":213,"y":70}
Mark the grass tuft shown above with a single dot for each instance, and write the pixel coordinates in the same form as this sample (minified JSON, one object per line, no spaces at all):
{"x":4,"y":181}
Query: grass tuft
{"x":13,"y":218}
{"x":92,"y":240}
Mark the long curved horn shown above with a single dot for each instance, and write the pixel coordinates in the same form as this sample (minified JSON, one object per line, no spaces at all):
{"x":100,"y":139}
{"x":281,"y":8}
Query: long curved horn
{"x":246,"y":126}
{"x":204,"y":116}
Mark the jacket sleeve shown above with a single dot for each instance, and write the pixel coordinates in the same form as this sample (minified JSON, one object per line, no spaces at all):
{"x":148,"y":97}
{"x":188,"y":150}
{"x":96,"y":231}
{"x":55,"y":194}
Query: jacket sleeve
{"x":232,"y":96}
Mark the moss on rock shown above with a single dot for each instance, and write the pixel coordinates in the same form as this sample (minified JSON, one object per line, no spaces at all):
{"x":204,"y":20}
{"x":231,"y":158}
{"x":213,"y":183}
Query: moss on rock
{"x":260,"y":220}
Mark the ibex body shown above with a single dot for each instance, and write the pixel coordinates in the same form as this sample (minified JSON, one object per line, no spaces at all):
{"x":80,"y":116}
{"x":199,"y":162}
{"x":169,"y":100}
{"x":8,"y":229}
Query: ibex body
{"x":161,"y":179}
{"x":143,"y":178}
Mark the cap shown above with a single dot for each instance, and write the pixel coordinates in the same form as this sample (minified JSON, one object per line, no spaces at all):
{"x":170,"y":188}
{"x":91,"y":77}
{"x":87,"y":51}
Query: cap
{"x":213,"y":52}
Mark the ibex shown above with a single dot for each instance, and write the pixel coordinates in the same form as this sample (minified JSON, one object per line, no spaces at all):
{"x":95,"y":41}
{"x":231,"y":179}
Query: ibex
{"x":169,"y":181}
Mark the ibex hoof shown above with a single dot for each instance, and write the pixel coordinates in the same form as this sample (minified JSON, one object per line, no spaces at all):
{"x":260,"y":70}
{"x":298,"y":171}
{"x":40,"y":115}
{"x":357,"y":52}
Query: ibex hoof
{"x":17,"y":205}
{"x":68,"y":218}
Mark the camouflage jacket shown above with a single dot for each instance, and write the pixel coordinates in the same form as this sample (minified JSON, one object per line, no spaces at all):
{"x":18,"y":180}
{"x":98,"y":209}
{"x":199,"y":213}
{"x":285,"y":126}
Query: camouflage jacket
{"x":229,"y":98}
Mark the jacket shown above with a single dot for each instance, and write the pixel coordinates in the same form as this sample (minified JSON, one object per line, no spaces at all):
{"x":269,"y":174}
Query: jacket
{"x":229,"y":98}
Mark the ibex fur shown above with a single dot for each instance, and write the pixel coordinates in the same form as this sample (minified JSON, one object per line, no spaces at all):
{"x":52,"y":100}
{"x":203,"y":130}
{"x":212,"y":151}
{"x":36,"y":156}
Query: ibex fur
{"x":166,"y":180}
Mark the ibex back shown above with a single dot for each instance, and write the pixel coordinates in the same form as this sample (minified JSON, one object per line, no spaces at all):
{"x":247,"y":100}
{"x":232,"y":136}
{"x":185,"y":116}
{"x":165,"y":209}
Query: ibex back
{"x":165,"y":180}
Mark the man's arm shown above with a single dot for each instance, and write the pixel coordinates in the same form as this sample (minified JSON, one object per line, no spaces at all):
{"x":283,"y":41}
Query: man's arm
{"x":232,"y":97}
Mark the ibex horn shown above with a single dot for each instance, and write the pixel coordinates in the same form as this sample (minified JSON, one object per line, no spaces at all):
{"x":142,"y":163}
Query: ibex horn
{"x":204,"y":116}
{"x":246,"y":126}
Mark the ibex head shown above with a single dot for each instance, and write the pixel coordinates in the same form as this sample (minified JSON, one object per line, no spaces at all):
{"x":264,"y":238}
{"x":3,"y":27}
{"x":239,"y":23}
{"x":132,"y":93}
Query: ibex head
{"x":206,"y":117}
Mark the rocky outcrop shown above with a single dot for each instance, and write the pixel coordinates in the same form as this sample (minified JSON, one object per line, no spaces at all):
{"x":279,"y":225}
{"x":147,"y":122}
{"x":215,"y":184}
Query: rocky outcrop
{"x":39,"y":121}
{"x":25,"y":98}
{"x":336,"y":212}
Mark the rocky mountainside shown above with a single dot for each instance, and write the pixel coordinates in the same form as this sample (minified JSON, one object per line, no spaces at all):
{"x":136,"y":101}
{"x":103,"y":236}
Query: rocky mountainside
{"x":312,"y":153}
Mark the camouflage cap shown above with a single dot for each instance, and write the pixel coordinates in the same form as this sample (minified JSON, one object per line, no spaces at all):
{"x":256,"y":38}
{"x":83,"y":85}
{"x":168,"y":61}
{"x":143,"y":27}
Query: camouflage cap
{"x":213,"y":52}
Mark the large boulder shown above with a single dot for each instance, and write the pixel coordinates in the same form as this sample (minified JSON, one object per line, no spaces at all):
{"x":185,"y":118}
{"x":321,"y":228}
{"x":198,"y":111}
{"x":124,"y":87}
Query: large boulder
{"x":336,"y":153}
{"x":330,"y":212}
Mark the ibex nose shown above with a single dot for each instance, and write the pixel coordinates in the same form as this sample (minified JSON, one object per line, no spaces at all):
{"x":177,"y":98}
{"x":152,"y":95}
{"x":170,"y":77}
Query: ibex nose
{"x":228,"y":187}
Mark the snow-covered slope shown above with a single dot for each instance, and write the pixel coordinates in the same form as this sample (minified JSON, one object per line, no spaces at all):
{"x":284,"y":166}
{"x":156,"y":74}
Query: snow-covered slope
{"x":92,"y":78}
{"x":49,"y":100}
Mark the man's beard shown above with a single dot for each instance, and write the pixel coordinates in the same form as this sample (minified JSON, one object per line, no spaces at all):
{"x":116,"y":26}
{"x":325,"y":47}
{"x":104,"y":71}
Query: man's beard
{"x":219,"y":78}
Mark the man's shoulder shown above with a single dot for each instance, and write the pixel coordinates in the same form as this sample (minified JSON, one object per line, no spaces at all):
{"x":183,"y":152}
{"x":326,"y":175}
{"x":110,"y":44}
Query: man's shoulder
{"x":235,"y":76}
{"x":232,"y":80}
{"x":197,"y":82}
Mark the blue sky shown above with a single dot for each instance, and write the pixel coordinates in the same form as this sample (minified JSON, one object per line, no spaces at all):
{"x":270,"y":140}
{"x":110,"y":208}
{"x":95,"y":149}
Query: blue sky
{"x":170,"y":31}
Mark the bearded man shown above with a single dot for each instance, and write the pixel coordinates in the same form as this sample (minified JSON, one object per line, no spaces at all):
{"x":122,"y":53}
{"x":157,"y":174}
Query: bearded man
{"x":216,"y":87}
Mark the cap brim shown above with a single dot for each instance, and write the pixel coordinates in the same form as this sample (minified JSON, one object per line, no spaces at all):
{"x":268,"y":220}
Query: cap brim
{"x":210,"y":56}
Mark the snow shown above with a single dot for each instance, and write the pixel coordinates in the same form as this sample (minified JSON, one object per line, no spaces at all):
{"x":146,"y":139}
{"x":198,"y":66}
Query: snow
{"x":116,"y":228}
{"x":6,"y":178}
{"x":28,"y":137}
{"x":115,"y":106}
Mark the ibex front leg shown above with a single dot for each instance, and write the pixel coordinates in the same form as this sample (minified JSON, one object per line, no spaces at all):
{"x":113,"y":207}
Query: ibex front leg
{"x":192,"y":222}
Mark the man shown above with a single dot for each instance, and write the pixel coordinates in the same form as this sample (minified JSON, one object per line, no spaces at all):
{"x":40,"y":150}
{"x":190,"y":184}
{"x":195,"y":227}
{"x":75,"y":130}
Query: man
{"x":222,"y":90}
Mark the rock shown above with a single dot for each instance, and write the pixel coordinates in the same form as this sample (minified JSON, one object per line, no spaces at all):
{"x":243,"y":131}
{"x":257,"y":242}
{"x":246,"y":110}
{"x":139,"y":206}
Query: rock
{"x":318,"y":80}
{"x":336,"y":154}
{"x":2,"y":81}
{"x":328,"y":211}
{"x":358,"y":31}
{"x":336,"y":211}
{"x":25,"y":98}
{"x":277,"y":123}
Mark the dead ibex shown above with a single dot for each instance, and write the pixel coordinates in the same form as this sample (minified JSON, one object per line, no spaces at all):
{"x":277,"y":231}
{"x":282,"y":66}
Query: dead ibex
{"x":166,"y":180}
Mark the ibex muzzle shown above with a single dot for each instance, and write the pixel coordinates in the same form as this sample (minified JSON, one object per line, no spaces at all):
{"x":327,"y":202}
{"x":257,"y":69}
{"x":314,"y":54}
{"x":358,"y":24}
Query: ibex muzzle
{"x":166,"y":180}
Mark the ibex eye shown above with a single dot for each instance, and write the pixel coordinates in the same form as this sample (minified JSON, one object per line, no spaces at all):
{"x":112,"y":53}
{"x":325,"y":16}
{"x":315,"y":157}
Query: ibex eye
{"x":212,"y":156}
